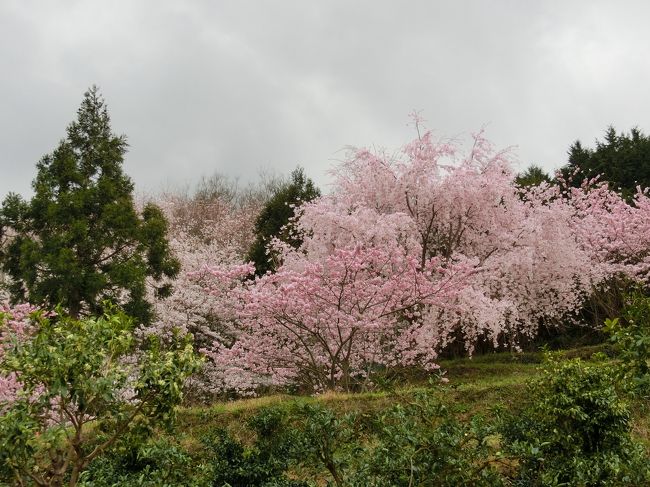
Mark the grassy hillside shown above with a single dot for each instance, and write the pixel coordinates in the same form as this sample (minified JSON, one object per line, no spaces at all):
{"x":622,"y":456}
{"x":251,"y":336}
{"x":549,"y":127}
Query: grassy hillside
{"x":476,"y":386}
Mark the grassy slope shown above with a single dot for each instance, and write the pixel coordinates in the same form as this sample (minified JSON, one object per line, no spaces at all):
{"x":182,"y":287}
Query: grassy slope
{"x":475,"y":386}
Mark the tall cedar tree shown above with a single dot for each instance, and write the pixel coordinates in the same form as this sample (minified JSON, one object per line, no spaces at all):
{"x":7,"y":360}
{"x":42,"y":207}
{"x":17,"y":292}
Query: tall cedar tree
{"x":623,"y":160}
{"x":80,"y":240}
{"x":274,"y":217}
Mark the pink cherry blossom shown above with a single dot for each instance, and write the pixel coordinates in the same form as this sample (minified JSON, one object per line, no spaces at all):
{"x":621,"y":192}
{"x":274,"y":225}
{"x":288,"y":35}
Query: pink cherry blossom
{"x":407,"y":254}
{"x":15,"y":325}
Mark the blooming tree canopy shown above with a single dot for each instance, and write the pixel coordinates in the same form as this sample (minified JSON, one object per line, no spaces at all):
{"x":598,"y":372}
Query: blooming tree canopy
{"x":215,"y":230}
{"x":404,"y":256}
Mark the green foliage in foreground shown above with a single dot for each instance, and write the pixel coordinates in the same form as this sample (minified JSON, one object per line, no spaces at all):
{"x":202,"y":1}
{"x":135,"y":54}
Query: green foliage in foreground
{"x":264,"y":464}
{"x":417,"y":443}
{"x":154,"y":463}
{"x":571,"y":426}
{"x":575,"y":431}
{"x":84,"y":391}
{"x":632,"y":338}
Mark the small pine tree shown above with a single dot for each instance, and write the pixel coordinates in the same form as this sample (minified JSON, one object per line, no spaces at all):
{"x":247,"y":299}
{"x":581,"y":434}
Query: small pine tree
{"x":532,"y":176}
{"x":276,"y":214}
{"x":80,"y":241}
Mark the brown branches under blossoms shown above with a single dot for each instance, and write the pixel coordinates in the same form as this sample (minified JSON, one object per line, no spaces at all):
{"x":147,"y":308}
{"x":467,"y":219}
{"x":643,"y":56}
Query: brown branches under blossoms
{"x":329,"y":323}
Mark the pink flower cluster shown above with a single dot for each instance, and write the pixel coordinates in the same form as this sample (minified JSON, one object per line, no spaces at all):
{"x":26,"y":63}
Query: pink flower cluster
{"x":15,"y":325}
{"x":614,"y":232}
{"x":204,"y":234}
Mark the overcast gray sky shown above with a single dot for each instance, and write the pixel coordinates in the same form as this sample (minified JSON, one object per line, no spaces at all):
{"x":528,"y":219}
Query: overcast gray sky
{"x":234,"y":86}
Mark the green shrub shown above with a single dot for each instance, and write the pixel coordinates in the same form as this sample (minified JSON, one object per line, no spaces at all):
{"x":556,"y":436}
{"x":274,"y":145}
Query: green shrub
{"x":632,"y":339}
{"x":575,"y":430}
{"x":418,"y":443}
{"x":261,"y":465}
{"x":327,"y":440}
{"x":152,"y":464}
{"x":421,"y":443}
{"x":80,"y":397}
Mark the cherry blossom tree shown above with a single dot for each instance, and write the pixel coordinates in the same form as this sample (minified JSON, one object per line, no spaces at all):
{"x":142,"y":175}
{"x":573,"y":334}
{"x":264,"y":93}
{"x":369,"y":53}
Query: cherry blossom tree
{"x":406,"y":255}
{"x":616,"y":234}
{"x":328,"y":323}
{"x":216,"y":228}
{"x":466,"y":208}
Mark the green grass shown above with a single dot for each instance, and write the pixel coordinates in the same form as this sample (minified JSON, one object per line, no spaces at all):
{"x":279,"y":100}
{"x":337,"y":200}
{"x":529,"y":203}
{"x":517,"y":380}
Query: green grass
{"x":476,"y":386}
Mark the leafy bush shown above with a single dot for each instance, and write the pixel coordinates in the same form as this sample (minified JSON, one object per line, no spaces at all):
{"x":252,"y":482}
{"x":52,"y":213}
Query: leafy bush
{"x":261,"y":465}
{"x":632,"y":338}
{"x":575,"y":431}
{"x":328,"y":441}
{"x":418,"y":443}
{"x":83,"y":390}
{"x":421,"y":443}
{"x":152,"y":464}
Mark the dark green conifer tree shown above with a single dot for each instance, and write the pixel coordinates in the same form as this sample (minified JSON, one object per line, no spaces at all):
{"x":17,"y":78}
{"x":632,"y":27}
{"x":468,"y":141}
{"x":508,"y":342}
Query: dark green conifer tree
{"x":80,"y":241}
{"x":532,"y":176}
{"x":275,"y":215}
{"x":623,"y":160}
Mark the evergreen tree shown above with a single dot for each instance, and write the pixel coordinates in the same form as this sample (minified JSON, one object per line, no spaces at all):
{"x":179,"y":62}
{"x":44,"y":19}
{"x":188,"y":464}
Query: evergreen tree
{"x":80,"y":240}
{"x":623,"y":160}
{"x":276,"y":214}
{"x":533,"y":176}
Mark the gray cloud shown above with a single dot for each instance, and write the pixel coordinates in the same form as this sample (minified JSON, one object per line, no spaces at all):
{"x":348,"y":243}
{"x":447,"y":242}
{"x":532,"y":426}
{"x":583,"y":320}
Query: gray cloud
{"x":204,"y":86}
